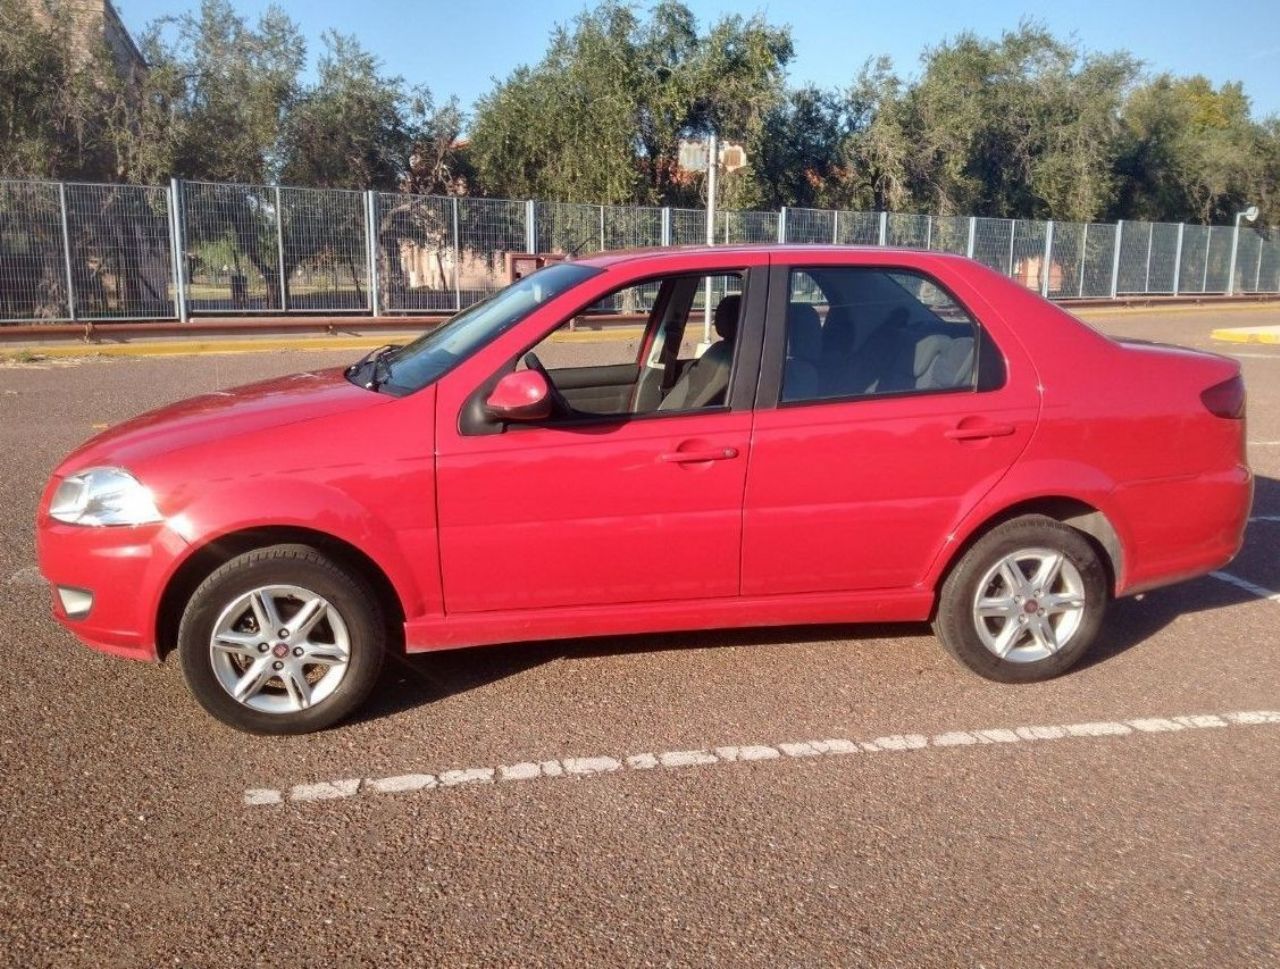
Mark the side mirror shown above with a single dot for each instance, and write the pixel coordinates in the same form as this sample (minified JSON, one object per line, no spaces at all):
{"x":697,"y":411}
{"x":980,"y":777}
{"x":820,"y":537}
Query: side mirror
{"x":520,"y":396}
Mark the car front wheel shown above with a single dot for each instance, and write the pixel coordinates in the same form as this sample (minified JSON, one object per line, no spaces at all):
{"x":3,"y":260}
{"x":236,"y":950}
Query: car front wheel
{"x":1025,"y":602}
{"x":281,"y":640}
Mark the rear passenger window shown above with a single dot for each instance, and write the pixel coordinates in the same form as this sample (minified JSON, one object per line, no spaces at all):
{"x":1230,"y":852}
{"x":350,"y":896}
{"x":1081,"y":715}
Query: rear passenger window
{"x":862,"y":332}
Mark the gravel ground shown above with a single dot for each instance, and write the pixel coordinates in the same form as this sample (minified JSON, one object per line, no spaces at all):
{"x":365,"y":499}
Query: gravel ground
{"x":127,"y":840}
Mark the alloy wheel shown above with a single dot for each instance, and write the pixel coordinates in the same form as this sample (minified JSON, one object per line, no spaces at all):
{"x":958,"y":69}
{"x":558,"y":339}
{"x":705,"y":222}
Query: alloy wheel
{"x":279,"y":649}
{"x":1029,"y":605}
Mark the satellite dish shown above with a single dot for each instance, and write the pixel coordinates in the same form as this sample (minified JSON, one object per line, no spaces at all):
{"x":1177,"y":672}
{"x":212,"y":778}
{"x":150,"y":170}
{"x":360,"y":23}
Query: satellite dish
{"x":1251,"y":214}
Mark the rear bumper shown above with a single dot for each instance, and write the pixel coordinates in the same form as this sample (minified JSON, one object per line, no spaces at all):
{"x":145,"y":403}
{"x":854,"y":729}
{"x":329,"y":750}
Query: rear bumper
{"x":1181,"y":527}
{"x":123,"y":569}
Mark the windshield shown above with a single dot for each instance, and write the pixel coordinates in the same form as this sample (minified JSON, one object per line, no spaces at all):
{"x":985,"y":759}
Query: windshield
{"x":433,"y":354}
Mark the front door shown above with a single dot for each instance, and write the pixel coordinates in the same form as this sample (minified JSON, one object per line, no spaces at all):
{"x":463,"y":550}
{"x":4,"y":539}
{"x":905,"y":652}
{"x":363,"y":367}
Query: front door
{"x":896,"y":412}
{"x":632,"y":496}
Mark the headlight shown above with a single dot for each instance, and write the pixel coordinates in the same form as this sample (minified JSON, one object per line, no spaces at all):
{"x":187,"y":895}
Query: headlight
{"x":103,"y":496}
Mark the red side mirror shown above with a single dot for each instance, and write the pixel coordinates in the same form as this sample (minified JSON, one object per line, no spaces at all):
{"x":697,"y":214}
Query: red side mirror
{"x":520,"y":396}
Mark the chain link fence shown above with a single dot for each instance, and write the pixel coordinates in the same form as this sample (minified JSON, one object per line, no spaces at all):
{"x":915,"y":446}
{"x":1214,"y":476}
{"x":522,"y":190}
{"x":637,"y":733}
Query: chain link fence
{"x":108,"y":252}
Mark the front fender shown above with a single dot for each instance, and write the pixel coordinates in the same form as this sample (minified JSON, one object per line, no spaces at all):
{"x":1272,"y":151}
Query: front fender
{"x":406,"y":554}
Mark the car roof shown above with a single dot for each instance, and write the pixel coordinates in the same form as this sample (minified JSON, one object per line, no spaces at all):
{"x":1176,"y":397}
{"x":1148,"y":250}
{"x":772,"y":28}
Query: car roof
{"x":613,"y":257}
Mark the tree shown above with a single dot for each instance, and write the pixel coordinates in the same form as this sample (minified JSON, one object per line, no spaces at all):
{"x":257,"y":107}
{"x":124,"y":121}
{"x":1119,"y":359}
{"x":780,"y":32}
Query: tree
{"x":351,"y":130}
{"x":1022,"y":126}
{"x":797,"y":155}
{"x":600,"y":118}
{"x":238,"y":82}
{"x":59,"y":100}
{"x":1193,"y":152}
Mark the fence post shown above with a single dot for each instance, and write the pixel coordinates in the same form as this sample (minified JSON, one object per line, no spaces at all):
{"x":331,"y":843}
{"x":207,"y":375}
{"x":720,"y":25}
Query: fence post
{"x":1235,"y":247}
{"x":66,"y":250}
{"x":928,"y":232}
{"x":457,"y":260}
{"x":1115,"y":259}
{"x":666,"y":225}
{"x":1013,"y":237}
{"x":1048,"y":255}
{"x":284,"y":298}
{"x":1151,"y":235}
{"x":1084,"y":248}
{"x":1257,"y":274}
{"x":1208,"y":243}
{"x":602,"y":228}
{"x":530,"y":227}
{"x":371,"y":248}
{"x":178,"y":251}
{"x":884,"y":228}
{"x":835,"y":227}
{"x":782,"y":224}
{"x":1177,"y":260}
{"x":973,"y":231}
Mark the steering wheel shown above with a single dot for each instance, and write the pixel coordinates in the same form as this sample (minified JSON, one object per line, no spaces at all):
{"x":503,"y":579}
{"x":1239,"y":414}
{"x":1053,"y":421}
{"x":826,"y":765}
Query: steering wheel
{"x":560,"y":406}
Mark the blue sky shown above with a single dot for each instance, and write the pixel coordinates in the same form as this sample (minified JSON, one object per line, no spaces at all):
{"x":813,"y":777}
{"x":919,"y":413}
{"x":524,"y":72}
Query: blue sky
{"x":459,"y":47}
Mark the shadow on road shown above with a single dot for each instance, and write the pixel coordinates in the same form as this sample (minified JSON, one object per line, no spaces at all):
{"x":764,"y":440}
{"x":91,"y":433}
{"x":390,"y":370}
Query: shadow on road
{"x":415,"y":680}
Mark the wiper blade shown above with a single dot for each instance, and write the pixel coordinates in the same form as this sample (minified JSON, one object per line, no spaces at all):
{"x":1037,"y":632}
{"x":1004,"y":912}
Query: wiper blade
{"x":382,"y":366}
{"x":376,"y":357}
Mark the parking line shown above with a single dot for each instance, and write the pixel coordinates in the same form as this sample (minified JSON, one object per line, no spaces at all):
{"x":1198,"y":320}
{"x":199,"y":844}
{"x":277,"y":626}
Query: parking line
{"x":1265,"y":518}
{"x":29,"y":576}
{"x":585,"y":767}
{"x":1252,"y":588}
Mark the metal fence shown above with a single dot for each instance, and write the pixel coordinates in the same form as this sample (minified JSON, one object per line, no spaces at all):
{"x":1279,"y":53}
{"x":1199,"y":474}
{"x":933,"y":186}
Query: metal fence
{"x":109,"y":252}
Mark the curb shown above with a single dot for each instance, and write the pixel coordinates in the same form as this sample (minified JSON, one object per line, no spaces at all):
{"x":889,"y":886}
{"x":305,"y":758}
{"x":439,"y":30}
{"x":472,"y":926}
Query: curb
{"x":1248,"y":334}
{"x":186,"y":348}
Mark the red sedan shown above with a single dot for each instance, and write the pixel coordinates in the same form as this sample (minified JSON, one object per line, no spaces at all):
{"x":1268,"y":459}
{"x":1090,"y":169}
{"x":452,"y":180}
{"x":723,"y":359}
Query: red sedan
{"x":782,"y":435}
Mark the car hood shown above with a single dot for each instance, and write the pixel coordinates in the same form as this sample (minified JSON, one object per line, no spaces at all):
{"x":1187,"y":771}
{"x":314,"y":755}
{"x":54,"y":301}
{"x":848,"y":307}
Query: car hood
{"x":222,"y":414}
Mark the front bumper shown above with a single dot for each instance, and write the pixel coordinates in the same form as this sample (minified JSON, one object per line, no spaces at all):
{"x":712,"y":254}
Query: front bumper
{"x":123,"y":569}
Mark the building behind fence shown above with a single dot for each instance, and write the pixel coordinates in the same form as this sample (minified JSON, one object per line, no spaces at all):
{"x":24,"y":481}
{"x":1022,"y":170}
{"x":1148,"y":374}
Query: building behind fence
{"x":71,"y":251}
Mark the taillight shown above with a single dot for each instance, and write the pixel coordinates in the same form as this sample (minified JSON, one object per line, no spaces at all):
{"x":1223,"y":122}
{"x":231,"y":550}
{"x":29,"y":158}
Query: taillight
{"x":1226,"y":399}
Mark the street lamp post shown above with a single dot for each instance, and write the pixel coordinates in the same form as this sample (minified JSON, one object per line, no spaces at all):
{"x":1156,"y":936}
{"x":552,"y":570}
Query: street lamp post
{"x":1250,"y":214}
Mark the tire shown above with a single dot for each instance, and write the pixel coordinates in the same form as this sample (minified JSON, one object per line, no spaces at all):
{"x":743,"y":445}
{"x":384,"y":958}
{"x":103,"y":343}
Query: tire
{"x":983,"y":608}
{"x":307,"y":675}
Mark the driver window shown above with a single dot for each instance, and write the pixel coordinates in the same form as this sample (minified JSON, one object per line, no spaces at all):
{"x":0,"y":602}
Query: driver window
{"x":662,"y":345}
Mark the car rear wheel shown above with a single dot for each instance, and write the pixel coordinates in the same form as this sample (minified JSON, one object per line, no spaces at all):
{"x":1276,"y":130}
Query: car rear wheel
{"x":1025,"y":603}
{"x":281,"y":640}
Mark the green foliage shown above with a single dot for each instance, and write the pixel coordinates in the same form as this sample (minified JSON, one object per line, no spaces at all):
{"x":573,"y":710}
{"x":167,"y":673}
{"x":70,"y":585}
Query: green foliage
{"x":1024,"y":125}
{"x":600,"y":118}
{"x":351,"y":130}
{"x":228,"y":76}
{"x":56,"y":119}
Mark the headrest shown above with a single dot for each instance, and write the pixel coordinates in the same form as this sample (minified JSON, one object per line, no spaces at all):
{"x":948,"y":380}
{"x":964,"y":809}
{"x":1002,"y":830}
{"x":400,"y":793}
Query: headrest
{"x":804,"y":332}
{"x":726,"y":318}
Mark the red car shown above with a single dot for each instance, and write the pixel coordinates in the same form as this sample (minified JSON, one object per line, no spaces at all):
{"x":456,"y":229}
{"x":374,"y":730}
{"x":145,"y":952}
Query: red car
{"x":867,"y":435}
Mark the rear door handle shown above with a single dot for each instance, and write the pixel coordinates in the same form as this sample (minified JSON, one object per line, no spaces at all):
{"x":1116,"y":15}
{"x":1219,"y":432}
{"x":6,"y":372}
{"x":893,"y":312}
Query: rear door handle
{"x":695,"y":457}
{"x":980,"y":431}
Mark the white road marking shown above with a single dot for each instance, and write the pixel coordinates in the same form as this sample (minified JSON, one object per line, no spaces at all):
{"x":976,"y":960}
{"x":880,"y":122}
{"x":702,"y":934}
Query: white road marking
{"x":1252,"y":588}
{"x":1264,"y":444}
{"x":583,"y":767}
{"x":29,"y":577}
{"x":1265,"y":518}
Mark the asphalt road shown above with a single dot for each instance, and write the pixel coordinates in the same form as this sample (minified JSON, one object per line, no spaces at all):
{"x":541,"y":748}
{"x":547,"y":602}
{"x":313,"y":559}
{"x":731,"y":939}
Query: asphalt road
{"x":1135,"y":840}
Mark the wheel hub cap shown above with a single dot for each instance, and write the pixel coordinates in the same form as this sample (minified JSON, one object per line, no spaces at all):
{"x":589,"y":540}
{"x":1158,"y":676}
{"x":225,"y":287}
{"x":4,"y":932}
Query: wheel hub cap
{"x":261,"y":671}
{"x":1029,"y":605}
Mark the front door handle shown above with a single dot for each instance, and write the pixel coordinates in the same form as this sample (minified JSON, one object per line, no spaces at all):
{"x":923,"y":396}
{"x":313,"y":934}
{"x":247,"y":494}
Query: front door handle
{"x":977,"y":432}
{"x":696,"y":457}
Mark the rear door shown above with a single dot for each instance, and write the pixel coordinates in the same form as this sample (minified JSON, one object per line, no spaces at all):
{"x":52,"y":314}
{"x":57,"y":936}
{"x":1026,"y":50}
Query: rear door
{"x":887,"y":410}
